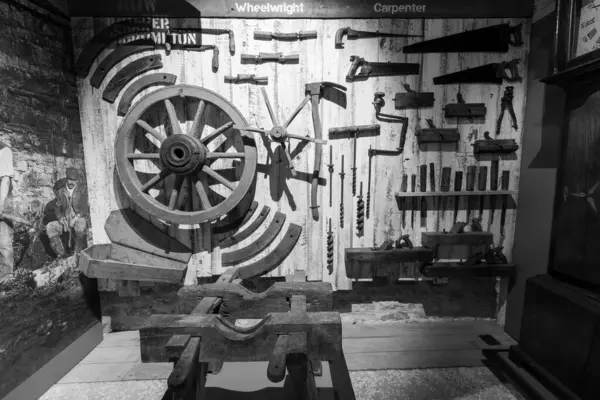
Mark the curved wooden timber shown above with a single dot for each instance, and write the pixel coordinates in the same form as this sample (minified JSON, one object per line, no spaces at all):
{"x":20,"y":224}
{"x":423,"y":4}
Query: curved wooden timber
{"x":246,"y":253}
{"x":239,"y":302}
{"x":158,"y":78}
{"x":274,"y":258}
{"x":236,"y":218}
{"x":249,"y":230}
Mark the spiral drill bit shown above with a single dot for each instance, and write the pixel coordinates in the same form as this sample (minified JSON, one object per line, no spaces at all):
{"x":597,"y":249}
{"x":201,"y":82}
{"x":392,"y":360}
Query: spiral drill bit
{"x":330,"y":249}
{"x":330,"y":166}
{"x":354,"y":165}
{"x":360,"y":213}
{"x":342,"y":174}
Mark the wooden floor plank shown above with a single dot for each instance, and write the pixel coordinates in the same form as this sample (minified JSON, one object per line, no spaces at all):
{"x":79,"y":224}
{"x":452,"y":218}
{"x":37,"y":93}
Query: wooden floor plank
{"x":414,"y":359}
{"x":406,"y":342}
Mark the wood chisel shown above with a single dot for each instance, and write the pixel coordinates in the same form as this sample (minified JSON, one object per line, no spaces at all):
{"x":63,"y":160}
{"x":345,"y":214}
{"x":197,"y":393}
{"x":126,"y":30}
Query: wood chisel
{"x":482,"y":186}
{"x":445,"y":187}
{"x":423,"y":188}
{"x":458,"y":178}
{"x":432,"y":183}
{"x":413,"y":188}
{"x":404,"y":188}
{"x":493,"y":187}
{"x":470,"y":187}
{"x":504,"y":186}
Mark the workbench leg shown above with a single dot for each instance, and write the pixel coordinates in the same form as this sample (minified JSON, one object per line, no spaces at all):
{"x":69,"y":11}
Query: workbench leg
{"x":317,"y":367}
{"x":340,"y":378}
{"x":303,"y":379}
{"x":201,"y":381}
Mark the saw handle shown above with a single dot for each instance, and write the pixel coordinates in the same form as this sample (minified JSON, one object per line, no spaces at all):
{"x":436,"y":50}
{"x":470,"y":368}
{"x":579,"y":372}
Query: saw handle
{"x":511,"y":66}
{"x":356,"y":63}
{"x":339,"y":36}
{"x":231,"y":43}
{"x":517,"y":34}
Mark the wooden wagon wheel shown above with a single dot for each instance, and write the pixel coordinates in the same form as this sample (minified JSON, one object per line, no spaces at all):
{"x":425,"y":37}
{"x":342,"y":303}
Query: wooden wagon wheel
{"x":185,"y":156}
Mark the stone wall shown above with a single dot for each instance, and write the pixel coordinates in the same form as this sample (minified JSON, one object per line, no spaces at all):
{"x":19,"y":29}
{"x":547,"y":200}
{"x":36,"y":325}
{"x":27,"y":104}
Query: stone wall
{"x":39,"y":115}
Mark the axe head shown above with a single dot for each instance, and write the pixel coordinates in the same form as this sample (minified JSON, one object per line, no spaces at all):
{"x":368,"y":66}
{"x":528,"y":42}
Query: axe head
{"x":316,"y":88}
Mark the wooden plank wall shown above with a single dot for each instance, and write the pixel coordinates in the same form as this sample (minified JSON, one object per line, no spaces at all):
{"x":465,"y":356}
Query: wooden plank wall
{"x":320,"y":61}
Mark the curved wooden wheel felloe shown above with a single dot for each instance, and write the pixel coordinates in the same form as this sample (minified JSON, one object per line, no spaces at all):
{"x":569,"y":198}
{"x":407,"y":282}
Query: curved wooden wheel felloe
{"x":182,"y":156}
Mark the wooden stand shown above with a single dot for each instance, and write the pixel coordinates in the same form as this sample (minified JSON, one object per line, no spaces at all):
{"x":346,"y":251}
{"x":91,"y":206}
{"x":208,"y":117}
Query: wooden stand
{"x":292,"y":338}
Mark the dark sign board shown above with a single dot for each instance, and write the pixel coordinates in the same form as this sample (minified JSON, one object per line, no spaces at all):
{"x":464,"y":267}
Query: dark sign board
{"x":304,"y":8}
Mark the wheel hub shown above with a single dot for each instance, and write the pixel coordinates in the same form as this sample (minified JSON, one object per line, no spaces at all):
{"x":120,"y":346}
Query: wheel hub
{"x":278,"y":134}
{"x":182,"y":154}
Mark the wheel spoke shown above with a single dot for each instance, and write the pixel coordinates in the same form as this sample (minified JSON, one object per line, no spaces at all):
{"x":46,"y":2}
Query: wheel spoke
{"x":216,"y":132}
{"x":202,"y":194}
{"x":155,"y":180}
{"x":197,"y":117}
{"x":190,"y":200}
{"x":175,"y":127}
{"x":175,"y":192}
{"x":307,"y":139}
{"x":143,"y":156}
{"x":269,"y":108}
{"x":296,"y":112}
{"x":215,"y":155}
{"x":248,"y":129}
{"x":213,"y":174}
{"x":289,"y":160}
{"x":157,"y":135}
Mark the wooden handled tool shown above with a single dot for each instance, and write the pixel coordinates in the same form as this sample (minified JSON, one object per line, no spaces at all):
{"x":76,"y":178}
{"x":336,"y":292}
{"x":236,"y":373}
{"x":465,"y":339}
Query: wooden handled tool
{"x":404,"y":188}
{"x":482,"y":186}
{"x":471,"y":169}
{"x":330,"y":170}
{"x":458,"y":178}
{"x":413,"y":188}
{"x":330,"y":249}
{"x":360,"y":214}
{"x":432,"y":182}
{"x":504,"y":186}
{"x":342,"y":174}
{"x":445,"y":187}
{"x":423,"y":187}
{"x":493,"y":187}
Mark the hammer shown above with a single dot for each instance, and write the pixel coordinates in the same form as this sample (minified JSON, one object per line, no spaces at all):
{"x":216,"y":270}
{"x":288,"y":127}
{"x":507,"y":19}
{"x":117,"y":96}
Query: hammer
{"x":314,"y":92}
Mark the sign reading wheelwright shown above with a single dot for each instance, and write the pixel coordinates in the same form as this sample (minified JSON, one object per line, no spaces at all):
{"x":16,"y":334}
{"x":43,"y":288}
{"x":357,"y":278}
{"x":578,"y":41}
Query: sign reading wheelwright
{"x":304,"y":8}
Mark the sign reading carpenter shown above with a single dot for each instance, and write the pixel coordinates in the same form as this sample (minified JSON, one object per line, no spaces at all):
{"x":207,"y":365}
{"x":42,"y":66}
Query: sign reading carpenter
{"x":304,"y":9}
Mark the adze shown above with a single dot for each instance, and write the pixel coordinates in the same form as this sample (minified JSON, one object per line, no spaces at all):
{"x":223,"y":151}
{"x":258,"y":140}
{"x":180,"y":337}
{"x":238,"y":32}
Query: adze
{"x":495,"y":38}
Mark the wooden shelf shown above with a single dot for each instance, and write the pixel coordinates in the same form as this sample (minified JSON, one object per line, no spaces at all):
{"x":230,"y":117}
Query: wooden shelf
{"x":365,"y":254}
{"x":473,"y":193}
{"x":449,"y":269}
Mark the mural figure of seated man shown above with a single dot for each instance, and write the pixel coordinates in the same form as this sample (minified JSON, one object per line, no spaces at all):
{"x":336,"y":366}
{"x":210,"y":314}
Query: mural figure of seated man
{"x":71,"y":210}
{"x":6,"y":231}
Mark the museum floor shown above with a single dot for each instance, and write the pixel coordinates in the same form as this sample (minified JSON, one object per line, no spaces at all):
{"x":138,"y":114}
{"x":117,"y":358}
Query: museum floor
{"x":434,"y":361}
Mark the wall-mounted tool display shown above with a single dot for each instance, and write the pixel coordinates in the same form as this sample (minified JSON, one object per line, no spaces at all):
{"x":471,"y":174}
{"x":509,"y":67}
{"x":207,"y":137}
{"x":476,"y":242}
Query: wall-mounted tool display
{"x":506,"y":103}
{"x":495,"y":38}
{"x":127,"y":73}
{"x":404,"y":188}
{"x":482,"y":186}
{"x":247,"y":78}
{"x":412,"y":99}
{"x":330,"y":170}
{"x":210,"y":31}
{"x":445,"y":187}
{"x":373,"y":153}
{"x":159,"y":78}
{"x":458,"y":178}
{"x":504,"y":186}
{"x":471,"y":170}
{"x":437,"y":135}
{"x":489,"y":73}
{"x":353,"y":34}
{"x":460,"y":109}
{"x":373,"y":69}
{"x":494,"y":146}
{"x":493,"y":187}
{"x":423,"y":188}
{"x":285,"y":37}
{"x":270,"y":57}
{"x":278,"y":133}
{"x":360,"y":213}
{"x":330,"y":249}
{"x":354,"y":132}
{"x":342,"y":175}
